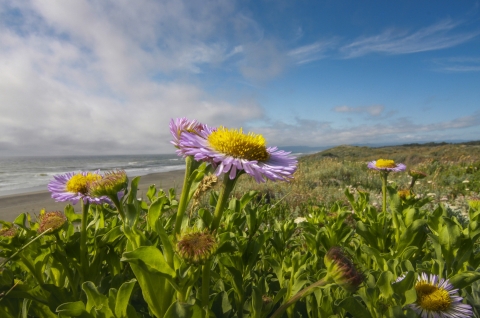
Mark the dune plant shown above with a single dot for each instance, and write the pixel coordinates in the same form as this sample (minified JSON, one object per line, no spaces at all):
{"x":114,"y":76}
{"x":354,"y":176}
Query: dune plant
{"x":254,"y":247}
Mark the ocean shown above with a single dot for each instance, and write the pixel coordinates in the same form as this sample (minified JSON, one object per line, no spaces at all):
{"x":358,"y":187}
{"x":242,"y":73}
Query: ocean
{"x":28,"y":174}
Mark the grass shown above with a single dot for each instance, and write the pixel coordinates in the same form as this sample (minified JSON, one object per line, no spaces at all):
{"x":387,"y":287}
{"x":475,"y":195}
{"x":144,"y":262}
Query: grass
{"x":453,"y":175}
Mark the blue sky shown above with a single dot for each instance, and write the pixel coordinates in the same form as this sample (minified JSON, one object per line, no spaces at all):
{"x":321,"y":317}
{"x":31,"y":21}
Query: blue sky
{"x":89,"y":77}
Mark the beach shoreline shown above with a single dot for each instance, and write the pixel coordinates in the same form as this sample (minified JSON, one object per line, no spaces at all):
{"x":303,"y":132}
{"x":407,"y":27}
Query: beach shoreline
{"x":13,"y":205}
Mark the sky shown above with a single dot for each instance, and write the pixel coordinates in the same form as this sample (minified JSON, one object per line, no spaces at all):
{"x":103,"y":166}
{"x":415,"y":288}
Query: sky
{"x":85,"y":77}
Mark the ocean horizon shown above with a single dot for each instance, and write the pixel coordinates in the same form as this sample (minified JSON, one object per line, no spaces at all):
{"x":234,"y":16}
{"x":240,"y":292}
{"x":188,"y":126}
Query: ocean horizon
{"x":24,"y":174}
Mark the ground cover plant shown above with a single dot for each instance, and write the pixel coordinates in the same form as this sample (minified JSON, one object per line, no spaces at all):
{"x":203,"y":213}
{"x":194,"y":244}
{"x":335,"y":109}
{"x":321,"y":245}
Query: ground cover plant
{"x":328,"y":236}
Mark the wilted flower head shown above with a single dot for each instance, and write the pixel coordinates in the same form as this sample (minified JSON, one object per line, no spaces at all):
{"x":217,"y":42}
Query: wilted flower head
{"x":417,"y":174}
{"x":196,"y":246}
{"x":109,"y":184}
{"x":232,"y":151}
{"x":8,"y":232}
{"x":386,"y":165}
{"x":73,"y":187}
{"x":51,"y":220}
{"x":438,"y":298}
{"x":342,"y":270}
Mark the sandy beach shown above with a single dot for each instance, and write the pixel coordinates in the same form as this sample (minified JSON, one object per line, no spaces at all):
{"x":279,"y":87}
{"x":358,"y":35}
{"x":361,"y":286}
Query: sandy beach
{"x":13,"y":205}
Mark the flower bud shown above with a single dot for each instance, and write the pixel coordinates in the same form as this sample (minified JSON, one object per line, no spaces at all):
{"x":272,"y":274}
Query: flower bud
{"x":417,"y":174}
{"x":196,"y":246}
{"x":342,"y":270}
{"x":109,"y":185}
{"x":405,"y":194}
{"x":51,"y":220}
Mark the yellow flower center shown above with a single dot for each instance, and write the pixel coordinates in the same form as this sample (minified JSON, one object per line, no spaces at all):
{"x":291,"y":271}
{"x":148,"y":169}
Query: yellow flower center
{"x":432,"y":298}
{"x":78,"y":183}
{"x":385,"y":163}
{"x":235,"y":143}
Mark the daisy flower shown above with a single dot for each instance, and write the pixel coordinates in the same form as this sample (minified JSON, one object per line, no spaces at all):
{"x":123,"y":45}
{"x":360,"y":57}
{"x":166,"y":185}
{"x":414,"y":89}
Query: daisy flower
{"x":386,"y":165}
{"x":438,"y":298}
{"x":180,"y":125}
{"x":73,"y":187}
{"x":231,"y":151}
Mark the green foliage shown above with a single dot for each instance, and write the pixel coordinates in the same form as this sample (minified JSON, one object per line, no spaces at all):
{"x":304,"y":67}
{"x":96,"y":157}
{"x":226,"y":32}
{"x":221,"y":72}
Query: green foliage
{"x":269,"y":252}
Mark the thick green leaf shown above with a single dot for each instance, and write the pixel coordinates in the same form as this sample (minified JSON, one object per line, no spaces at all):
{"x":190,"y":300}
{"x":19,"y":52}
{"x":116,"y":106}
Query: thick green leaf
{"x":151,"y":257}
{"x":183,"y":310}
{"x":96,"y":302}
{"x":155,"y":211}
{"x":123,"y":297}
{"x":73,"y":309}
{"x":464,"y":279}
{"x":70,"y":214}
{"x":384,"y":284}
{"x":354,"y":307}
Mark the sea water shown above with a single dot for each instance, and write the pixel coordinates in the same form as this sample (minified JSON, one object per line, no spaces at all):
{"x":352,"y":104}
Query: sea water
{"x":27,"y":174}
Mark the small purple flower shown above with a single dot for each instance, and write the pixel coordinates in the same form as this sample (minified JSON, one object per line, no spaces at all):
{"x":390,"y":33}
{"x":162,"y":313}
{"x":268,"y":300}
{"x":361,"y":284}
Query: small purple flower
{"x":438,"y":298}
{"x":231,"y":151}
{"x":386,"y":165}
{"x":73,"y":187}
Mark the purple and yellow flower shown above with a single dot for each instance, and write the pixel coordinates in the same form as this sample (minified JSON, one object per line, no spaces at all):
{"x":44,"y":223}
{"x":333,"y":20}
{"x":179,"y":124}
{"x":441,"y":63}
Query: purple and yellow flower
{"x":181,"y":125}
{"x":231,"y":151}
{"x":51,"y":220}
{"x":73,"y":187}
{"x":438,"y":298}
{"x":386,"y":165}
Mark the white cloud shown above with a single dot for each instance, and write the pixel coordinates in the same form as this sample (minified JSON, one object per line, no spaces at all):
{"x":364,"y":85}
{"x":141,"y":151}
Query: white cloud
{"x":373,"y":110}
{"x":438,"y":36}
{"x":458,"y":64}
{"x":77,"y":76}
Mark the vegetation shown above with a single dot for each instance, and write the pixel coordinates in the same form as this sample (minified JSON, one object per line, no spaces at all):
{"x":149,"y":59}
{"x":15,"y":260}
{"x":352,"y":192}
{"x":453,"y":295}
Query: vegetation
{"x":322,"y":245}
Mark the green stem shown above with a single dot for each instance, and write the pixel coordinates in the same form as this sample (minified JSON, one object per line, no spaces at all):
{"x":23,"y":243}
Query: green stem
{"x":83,"y":238}
{"x":384,"y":191}
{"x":227,"y":187}
{"x":182,"y":205}
{"x":119,"y":207}
{"x":304,"y":292}
{"x":412,"y":184}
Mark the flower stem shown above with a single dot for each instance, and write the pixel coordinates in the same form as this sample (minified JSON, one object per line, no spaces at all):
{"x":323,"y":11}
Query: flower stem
{"x":384,"y":191}
{"x":227,"y":187}
{"x":182,"y":205}
{"x":83,"y":238}
{"x":304,"y":292}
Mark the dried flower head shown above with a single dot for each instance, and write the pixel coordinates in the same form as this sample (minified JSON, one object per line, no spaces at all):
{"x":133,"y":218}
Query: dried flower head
{"x":206,"y":184}
{"x":342,"y":270}
{"x":8,"y":232}
{"x":51,"y":220}
{"x":196,"y":246}
{"x":110,"y":184}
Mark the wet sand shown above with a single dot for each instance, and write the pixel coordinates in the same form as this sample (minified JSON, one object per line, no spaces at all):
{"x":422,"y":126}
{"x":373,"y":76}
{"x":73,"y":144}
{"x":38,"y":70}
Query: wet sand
{"x":13,"y":205}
